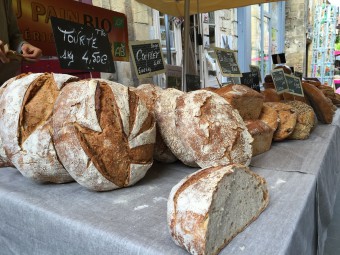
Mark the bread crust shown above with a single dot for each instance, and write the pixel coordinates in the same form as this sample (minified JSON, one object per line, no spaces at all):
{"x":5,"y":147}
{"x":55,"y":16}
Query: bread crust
{"x":26,"y":126}
{"x":211,"y":130}
{"x":104,"y":134}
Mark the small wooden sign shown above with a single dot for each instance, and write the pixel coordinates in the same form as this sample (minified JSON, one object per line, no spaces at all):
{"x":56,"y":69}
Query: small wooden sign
{"x":294,"y":85}
{"x":279,"y":79}
{"x":254,"y":68}
{"x":251,"y":79}
{"x":279,"y":58}
{"x":173,"y":76}
{"x":82,"y":47}
{"x":193,"y":82}
{"x":227,"y":62}
{"x":298,"y":74}
{"x":147,"y":58}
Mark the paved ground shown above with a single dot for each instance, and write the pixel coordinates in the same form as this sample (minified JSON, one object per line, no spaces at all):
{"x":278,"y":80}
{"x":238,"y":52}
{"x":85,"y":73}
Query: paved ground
{"x":332,"y":246}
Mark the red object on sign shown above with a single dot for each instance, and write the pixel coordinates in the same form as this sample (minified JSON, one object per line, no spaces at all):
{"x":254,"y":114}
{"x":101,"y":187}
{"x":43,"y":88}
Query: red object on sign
{"x":34,"y":23}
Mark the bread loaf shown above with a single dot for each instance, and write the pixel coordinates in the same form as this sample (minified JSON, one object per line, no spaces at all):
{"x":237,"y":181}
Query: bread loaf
{"x":211,"y":130}
{"x":270,"y":116}
{"x":103,"y":133}
{"x":149,"y":93}
{"x":165,"y":117}
{"x":207,"y":209}
{"x":270,"y":95}
{"x":25,"y":126}
{"x":322,"y":106}
{"x":262,"y":135}
{"x":287,"y":117}
{"x":247,"y":101}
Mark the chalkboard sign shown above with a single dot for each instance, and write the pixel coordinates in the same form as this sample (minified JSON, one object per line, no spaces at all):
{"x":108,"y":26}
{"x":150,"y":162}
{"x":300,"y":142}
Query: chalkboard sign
{"x":251,"y":79}
{"x":279,"y":79}
{"x":279,"y":58}
{"x":298,"y":74}
{"x":257,"y":70}
{"x":294,"y":85}
{"x":193,"y":82}
{"x":227,"y":61}
{"x":173,"y":76}
{"x":147,"y":58}
{"x":82,"y":47}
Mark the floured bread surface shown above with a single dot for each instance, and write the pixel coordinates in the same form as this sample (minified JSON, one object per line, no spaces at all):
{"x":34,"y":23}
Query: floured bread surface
{"x":207,"y":209}
{"x":166,"y":120}
{"x":306,"y":120}
{"x":211,"y":130}
{"x":27,"y":106}
{"x":149,"y":94}
{"x":269,"y":116}
{"x":247,"y":101}
{"x":287,"y":117}
{"x":104,"y":134}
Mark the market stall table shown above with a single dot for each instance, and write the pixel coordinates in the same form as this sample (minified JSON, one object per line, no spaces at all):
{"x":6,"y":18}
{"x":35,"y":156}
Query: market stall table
{"x":69,"y":219}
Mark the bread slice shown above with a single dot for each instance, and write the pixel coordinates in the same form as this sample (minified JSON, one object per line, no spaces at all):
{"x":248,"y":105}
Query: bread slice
{"x":207,"y":209}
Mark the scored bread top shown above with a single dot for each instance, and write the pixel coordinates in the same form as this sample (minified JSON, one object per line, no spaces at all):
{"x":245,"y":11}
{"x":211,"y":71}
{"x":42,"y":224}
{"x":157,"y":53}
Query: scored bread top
{"x":107,"y":130}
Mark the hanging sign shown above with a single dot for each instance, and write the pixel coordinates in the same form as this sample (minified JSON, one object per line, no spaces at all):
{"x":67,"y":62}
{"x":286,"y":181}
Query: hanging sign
{"x":82,"y":47}
{"x":279,"y":79}
{"x":147,"y":57}
{"x":227,"y":62}
{"x":251,"y":80}
{"x":294,"y":85}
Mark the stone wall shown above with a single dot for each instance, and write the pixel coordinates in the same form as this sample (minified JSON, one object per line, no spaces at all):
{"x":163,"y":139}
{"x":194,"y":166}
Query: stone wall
{"x":296,"y":29}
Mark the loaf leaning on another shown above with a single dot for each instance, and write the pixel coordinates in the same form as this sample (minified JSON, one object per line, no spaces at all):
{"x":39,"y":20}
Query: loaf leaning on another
{"x":149,"y":94}
{"x":211,"y":130}
{"x":103,"y":133}
{"x":207,"y":209}
{"x":25,"y":125}
{"x":165,"y":110}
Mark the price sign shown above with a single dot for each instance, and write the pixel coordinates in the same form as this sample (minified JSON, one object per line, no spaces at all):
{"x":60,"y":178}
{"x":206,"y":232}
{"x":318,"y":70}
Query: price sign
{"x":193,"y":82}
{"x":82,"y":47}
{"x":257,"y":70}
{"x":174,"y":76}
{"x":147,"y":57}
{"x":280,"y":82}
{"x":251,"y":79}
{"x":227,"y":62}
{"x":294,"y":85}
{"x":298,"y":74}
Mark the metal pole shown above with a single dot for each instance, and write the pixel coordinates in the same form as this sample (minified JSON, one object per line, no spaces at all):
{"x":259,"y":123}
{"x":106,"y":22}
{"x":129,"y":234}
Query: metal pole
{"x":167,"y":35}
{"x":186,"y":42}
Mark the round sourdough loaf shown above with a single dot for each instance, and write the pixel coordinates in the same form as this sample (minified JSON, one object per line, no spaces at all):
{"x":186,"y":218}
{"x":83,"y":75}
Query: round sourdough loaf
{"x":25,"y":125}
{"x":287,"y":120}
{"x":207,"y":209}
{"x":247,"y":101}
{"x":211,"y":130}
{"x":305,"y":121}
{"x":103,"y":133}
{"x":149,"y":93}
{"x":165,"y":117}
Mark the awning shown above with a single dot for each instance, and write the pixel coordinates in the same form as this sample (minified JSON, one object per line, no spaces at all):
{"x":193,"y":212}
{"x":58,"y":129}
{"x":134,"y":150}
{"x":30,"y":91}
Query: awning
{"x":176,"y":7}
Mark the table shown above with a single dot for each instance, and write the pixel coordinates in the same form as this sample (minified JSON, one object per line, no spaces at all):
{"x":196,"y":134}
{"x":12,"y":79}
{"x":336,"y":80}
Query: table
{"x":69,"y":219}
